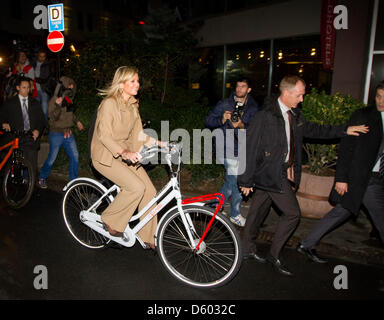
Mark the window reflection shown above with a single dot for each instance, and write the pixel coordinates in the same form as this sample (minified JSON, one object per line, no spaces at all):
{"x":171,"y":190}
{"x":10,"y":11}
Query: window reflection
{"x":299,"y":55}
{"x":250,"y":60}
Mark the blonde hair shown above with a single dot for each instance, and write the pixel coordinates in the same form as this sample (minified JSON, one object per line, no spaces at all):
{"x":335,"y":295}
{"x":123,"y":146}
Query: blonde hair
{"x":122,"y":75}
{"x":289,"y":82}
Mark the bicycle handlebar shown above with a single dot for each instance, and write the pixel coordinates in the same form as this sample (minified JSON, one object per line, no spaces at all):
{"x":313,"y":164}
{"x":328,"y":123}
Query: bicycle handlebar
{"x":148,"y":153}
{"x":18,"y":133}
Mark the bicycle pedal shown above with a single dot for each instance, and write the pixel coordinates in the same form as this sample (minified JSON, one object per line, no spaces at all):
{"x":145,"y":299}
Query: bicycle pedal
{"x":103,"y":225}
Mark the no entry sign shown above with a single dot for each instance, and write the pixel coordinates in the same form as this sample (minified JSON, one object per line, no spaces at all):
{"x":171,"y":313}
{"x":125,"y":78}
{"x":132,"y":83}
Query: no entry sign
{"x":55,"y":41}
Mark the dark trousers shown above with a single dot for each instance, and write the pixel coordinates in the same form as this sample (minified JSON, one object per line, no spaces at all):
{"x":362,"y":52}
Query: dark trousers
{"x":288,"y":221}
{"x":30,"y":151}
{"x":374,"y":202}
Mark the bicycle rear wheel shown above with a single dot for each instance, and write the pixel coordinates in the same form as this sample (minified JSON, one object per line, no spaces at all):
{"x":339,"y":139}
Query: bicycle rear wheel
{"x":18,"y":182}
{"x":219,"y":257}
{"x":81,"y":196}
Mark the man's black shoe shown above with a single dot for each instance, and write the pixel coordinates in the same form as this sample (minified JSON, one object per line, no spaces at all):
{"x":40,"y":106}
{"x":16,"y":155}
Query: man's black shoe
{"x":254,"y":256}
{"x":278,"y":266}
{"x":310,"y":253}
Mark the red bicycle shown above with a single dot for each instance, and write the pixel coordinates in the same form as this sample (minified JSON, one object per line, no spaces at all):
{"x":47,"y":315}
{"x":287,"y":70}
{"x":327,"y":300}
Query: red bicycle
{"x":18,"y":176}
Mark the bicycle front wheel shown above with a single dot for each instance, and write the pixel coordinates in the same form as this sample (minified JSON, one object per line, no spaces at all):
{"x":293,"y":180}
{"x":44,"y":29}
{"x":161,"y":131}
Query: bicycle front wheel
{"x":219,"y":257}
{"x":81,"y":196}
{"x":18,"y":183}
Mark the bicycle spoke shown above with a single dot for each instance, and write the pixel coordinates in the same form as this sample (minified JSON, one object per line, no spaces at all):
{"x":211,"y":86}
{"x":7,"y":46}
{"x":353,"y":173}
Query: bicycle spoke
{"x":78,"y":198}
{"x":218,"y":257}
{"x":18,"y":183}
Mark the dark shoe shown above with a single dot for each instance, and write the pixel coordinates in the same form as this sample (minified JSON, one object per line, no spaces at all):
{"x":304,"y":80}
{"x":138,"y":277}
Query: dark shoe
{"x":42,"y":183}
{"x":150,"y":246}
{"x":310,"y":253}
{"x":254,"y":256}
{"x":278,"y":266}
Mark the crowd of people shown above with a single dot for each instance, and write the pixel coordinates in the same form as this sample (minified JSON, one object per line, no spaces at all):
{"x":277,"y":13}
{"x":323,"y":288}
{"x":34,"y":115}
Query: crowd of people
{"x":36,"y":102}
{"x":274,"y":138}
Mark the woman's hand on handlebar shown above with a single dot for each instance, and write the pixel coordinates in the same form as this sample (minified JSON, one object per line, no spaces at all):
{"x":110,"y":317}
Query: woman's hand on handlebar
{"x":163,"y":144}
{"x":134,"y":157}
{"x":6,"y":127}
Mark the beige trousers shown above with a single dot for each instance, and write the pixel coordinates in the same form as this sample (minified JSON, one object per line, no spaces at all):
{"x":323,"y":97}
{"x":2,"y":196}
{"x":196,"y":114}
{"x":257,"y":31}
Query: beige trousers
{"x":136,"y":191}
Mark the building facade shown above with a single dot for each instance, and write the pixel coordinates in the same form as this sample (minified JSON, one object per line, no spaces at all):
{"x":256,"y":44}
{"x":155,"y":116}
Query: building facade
{"x":267,"y":39}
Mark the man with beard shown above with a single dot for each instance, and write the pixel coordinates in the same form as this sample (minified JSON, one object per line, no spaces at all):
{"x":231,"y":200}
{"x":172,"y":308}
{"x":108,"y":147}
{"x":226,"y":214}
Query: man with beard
{"x":232,"y":115}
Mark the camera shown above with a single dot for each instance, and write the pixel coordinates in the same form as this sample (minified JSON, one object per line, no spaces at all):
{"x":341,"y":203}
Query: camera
{"x":65,"y":92}
{"x":236,"y":114}
{"x":67,"y":95}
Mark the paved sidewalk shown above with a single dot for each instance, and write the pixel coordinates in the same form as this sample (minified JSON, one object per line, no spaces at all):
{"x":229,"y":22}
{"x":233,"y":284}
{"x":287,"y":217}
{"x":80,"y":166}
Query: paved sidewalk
{"x":350,"y":241}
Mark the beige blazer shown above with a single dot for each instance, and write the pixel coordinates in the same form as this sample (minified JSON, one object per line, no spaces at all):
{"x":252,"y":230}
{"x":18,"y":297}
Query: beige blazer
{"x":118,"y":126}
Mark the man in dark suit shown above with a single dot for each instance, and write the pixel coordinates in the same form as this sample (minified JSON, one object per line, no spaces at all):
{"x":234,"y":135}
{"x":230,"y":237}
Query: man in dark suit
{"x":23,"y":113}
{"x":273,"y":165}
{"x":359,"y":177}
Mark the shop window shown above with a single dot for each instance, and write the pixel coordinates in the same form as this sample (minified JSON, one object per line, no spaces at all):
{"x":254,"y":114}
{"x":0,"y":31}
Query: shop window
{"x":300,"y":56}
{"x":211,"y":61}
{"x":250,"y":60}
{"x":379,"y":42}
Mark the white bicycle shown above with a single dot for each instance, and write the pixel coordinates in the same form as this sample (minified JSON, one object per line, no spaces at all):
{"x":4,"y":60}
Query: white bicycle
{"x":196,"y":244}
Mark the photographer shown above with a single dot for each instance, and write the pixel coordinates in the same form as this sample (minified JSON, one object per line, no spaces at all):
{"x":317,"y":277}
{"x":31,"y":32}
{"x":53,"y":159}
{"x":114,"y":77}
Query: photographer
{"x":233,"y":113}
{"x":61,"y":120}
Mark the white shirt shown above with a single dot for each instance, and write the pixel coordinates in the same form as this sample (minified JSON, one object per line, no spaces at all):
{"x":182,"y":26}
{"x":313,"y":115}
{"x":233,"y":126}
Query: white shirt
{"x":377,"y":165}
{"x":284,"y":109}
{"x":22,"y":100}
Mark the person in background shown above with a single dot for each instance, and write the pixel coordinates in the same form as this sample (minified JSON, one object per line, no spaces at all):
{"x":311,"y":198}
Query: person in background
{"x":234,"y":113}
{"x":23,"y":113}
{"x":273,"y":166}
{"x":23,"y":68}
{"x":61,"y":120}
{"x":43,"y":73}
{"x":359,"y":178}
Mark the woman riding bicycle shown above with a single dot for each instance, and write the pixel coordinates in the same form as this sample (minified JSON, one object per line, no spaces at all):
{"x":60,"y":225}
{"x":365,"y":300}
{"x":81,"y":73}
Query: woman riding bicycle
{"x":118,"y":136}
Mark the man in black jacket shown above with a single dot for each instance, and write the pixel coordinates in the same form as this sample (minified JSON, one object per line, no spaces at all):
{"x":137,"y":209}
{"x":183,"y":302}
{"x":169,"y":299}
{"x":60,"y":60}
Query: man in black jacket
{"x":44,"y":74}
{"x":273,"y":165}
{"x":23,"y":113}
{"x":359,"y":177}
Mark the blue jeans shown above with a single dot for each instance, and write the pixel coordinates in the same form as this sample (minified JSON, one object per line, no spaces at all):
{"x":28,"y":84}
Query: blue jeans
{"x":230,"y":187}
{"x":43,"y":99}
{"x":56,"y":140}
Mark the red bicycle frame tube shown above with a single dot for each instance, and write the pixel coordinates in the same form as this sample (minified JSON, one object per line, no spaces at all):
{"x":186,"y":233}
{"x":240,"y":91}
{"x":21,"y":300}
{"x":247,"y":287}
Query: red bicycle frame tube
{"x":217,"y":196}
{"x":14,"y":144}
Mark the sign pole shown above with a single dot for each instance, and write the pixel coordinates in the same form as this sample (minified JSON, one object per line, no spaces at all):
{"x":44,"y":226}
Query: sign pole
{"x":58,"y":66}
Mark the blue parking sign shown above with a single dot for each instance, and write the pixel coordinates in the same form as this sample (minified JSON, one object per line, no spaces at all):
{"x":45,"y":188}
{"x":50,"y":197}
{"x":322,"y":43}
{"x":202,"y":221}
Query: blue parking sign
{"x":56,"y":17}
